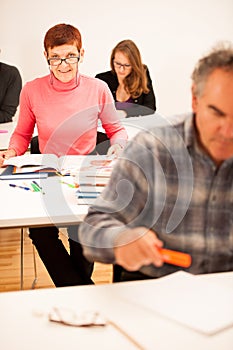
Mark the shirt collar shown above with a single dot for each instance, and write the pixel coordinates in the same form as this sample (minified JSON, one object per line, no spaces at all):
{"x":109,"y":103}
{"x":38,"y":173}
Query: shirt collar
{"x":60,"y":86}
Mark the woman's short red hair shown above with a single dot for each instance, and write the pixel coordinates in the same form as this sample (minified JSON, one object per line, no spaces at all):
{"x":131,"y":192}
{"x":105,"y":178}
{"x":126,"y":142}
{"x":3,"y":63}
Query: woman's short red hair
{"x":62,"y":34}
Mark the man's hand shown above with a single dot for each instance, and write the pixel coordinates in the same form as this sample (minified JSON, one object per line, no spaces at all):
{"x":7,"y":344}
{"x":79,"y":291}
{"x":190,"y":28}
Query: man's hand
{"x":137,"y":247}
{"x":6,"y":155}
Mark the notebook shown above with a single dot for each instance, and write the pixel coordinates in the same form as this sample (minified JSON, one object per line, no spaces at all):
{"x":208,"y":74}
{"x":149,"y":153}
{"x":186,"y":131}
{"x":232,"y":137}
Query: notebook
{"x":8,"y":174}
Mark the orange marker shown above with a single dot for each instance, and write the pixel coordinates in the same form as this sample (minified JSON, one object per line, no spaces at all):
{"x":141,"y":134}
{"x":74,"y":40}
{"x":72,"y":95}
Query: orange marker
{"x":176,"y":258}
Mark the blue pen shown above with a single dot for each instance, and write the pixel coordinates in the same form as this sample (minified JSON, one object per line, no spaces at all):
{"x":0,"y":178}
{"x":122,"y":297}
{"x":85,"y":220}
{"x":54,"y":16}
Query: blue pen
{"x":23,"y":187}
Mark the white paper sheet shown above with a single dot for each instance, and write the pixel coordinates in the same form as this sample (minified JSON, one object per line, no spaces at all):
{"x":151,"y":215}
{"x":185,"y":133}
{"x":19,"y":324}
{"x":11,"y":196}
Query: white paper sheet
{"x":200,"y":305}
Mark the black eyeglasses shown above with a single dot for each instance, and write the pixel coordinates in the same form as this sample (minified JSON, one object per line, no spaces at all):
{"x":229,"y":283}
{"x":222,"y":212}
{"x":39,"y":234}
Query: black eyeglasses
{"x":119,"y":65}
{"x":67,"y":60}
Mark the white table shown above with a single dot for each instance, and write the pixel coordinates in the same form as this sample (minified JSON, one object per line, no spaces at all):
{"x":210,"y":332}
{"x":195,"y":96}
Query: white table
{"x":21,"y":209}
{"x":8,"y":129}
{"x":133,"y":126}
{"x":27,"y":209}
{"x":24,"y":323}
{"x":5,"y":137}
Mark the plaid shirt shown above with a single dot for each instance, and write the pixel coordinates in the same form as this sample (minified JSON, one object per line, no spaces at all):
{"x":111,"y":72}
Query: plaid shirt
{"x":164,"y":181}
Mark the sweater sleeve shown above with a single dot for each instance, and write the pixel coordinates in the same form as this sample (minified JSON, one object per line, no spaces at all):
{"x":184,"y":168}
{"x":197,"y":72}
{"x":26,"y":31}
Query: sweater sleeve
{"x":22,"y":135}
{"x":110,"y":119}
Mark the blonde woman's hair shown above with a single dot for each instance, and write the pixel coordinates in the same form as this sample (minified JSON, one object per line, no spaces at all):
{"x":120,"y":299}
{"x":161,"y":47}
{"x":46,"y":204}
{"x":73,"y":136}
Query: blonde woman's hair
{"x":136,"y":81}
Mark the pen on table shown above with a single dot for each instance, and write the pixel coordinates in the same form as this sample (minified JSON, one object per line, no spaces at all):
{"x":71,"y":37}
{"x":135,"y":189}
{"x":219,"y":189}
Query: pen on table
{"x":3,"y":131}
{"x":37,"y":187}
{"x":37,"y":184}
{"x":22,"y":187}
{"x":91,"y":184}
{"x":68,"y":184}
{"x":30,"y":186}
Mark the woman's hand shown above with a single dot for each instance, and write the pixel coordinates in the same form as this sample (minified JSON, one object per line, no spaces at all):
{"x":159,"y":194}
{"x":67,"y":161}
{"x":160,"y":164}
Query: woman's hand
{"x":6,"y":155}
{"x":115,"y":150}
{"x":121,"y":113}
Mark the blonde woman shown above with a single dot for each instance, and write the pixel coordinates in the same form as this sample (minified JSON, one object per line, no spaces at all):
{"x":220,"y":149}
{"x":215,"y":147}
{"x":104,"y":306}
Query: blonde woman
{"x":129,"y":81}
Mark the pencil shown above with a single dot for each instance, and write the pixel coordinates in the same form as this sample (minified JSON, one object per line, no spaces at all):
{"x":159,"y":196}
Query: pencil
{"x":131,"y":339}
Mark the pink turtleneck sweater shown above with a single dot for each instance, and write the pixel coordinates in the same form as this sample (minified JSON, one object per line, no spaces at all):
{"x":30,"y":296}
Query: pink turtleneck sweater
{"x":66,"y":115}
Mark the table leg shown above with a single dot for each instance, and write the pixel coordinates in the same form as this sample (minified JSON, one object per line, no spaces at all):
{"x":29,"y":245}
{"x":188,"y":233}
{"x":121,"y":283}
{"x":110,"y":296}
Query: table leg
{"x":21,"y":258}
{"x":35,"y":269}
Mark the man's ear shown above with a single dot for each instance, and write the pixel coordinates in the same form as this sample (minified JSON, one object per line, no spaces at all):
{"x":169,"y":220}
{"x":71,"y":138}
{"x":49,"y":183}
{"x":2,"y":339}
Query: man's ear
{"x":194,"y":99}
{"x":81,"y":55}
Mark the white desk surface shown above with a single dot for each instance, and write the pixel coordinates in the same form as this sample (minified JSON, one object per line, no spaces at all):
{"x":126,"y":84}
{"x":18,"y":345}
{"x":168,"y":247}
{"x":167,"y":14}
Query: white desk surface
{"x":5,"y":137}
{"x":59,"y":205}
{"x":133,"y":126}
{"x":24,"y":323}
{"x":22,"y":208}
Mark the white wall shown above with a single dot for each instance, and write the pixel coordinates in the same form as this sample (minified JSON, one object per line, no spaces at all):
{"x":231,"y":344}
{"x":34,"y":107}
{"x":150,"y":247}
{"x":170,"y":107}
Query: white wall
{"x":171,"y":35}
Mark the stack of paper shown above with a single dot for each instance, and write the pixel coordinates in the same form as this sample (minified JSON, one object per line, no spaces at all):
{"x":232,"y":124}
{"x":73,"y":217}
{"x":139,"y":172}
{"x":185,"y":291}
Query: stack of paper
{"x":89,"y":191}
{"x":94,"y":175}
{"x":201,"y":305}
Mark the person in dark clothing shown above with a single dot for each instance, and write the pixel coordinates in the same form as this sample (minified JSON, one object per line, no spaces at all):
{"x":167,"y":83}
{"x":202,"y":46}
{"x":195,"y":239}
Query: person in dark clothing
{"x":10,"y":88}
{"x":129,"y":81}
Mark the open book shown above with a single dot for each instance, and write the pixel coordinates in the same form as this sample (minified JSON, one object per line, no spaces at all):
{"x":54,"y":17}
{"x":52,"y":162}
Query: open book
{"x":65,"y":165}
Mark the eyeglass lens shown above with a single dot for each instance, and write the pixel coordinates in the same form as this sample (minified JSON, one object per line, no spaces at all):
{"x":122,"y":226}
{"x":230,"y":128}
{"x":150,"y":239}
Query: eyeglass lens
{"x":67,"y":60}
{"x":119,"y":65}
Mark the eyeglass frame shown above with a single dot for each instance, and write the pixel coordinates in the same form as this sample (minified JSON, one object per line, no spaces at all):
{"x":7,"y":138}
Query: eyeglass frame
{"x":61,"y":60}
{"x":119,"y":65}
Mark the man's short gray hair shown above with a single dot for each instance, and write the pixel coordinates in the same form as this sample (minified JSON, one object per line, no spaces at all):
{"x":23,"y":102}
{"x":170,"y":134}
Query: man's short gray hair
{"x":221,"y":56}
